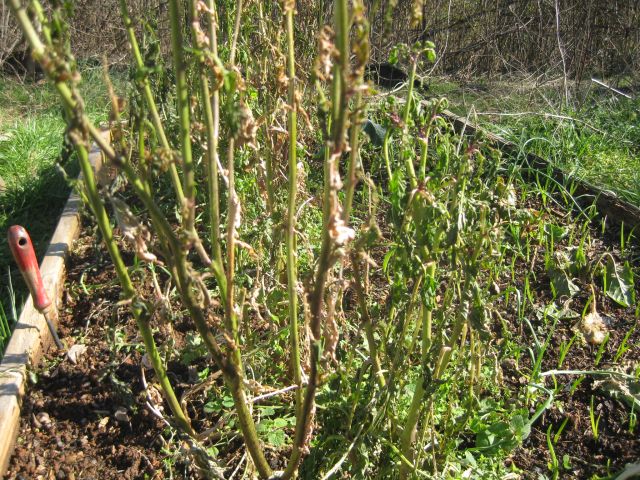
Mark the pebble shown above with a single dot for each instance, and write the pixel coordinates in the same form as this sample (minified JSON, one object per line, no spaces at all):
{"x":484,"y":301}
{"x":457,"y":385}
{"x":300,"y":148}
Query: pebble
{"x":43,"y":419}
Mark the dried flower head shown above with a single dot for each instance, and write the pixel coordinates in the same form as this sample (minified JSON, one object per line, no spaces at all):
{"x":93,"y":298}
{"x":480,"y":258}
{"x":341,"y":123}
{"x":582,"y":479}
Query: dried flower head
{"x":132,"y":230}
{"x":247,"y":127}
{"x":327,"y":53}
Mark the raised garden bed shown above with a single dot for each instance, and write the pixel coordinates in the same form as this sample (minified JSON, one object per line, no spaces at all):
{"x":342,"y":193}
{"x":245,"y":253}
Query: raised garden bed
{"x":94,"y":419}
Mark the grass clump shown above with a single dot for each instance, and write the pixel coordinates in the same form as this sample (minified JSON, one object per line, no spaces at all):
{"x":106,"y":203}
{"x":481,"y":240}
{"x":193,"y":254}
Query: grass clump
{"x":594,"y":137}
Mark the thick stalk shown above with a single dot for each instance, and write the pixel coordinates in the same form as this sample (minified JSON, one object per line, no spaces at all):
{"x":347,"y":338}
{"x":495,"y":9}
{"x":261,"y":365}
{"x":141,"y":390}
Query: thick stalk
{"x":182,"y":94}
{"x":231,"y":317}
{"x":211,"y":123}
{"x":150,"y":101}
{"x":411,"y":424}
{"x":333,"y":152}
{"x":292,"y":274}
{"x":231,"y":367}
{"x":214,"y":110}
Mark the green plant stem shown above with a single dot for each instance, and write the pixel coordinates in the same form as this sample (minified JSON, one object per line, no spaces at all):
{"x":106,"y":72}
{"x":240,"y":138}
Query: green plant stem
{"x":410,"y":427}
{"x":214,"y":190}
{"x":333,"y":152}
{"x":234,"y":369}
{"x":236,"y":33}
{"x":292,"y":274}
{"x":367,"y":324}
{"x":91,"y":194}
{"x":230,"y":365}
{"x":182,"y":94}
{"x":385,"y":153}
{"x":150,"y":101}
{"x":354,"y":157}
{"x":210,"y":102}
{"x":405,"y":130}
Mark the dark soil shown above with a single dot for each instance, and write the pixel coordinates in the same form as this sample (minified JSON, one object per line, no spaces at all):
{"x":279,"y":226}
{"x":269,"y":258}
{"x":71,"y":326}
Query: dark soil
{"x":69,"y":427}
{"x":70,"y":430}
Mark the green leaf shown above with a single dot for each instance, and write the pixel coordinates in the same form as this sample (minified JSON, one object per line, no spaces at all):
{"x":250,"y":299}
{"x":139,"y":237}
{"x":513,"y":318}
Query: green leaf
{"x":276,"y":438}
{"x":431,"y":55}
{"x":375,"y":131}
{"x":556,"y":232}
{"x":498,"y":436}
{"x":562,"y":284}
{"x":520,"y":427}
{"x":211,"y":407}
{"x":280,"y":422}
{"x":619,"y":283}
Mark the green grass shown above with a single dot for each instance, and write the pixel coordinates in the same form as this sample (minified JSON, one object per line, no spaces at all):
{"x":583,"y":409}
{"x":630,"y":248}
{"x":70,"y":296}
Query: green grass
{"x":31,"y":154}
{"x":595,"y":137}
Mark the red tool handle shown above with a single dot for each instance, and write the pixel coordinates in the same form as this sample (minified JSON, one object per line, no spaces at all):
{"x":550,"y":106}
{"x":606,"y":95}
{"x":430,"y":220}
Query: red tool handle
{"x":23,"y":253}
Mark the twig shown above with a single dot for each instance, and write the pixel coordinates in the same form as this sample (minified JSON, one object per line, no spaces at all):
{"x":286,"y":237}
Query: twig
{"x":562,"y":53}
{"x":275,"y":393}
{"x":615,"y":90}
{"x":588,"y":372}
{"x":336,"y":468}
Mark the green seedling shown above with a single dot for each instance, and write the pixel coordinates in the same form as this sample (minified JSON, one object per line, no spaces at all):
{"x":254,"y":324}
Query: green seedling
{"x":595,"y":422}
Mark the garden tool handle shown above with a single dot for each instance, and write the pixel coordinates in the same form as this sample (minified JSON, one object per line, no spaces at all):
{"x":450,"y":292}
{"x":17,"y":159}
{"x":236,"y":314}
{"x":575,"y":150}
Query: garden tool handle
{"x":25,"y":257}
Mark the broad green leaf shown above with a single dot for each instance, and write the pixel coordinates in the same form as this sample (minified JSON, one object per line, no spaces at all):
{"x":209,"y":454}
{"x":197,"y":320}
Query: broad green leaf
{"x":276,"y":438}
{"x":619,"y":283}
{"x":562,"y":284}
{"x":375,"y":131}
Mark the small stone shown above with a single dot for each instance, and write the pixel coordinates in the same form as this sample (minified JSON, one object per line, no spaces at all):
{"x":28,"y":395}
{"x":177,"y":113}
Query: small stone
{"x":121,"y":415}
{"x":76,"y":352}
{"x":44,"y":419}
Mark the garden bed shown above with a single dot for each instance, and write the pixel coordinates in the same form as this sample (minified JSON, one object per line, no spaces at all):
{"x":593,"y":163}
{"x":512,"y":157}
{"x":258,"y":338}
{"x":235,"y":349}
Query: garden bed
{"x":94,"y":419}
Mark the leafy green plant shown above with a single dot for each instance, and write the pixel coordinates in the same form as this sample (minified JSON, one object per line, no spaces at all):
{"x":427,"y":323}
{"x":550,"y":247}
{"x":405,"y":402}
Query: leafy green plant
{"x":334,"y":300}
